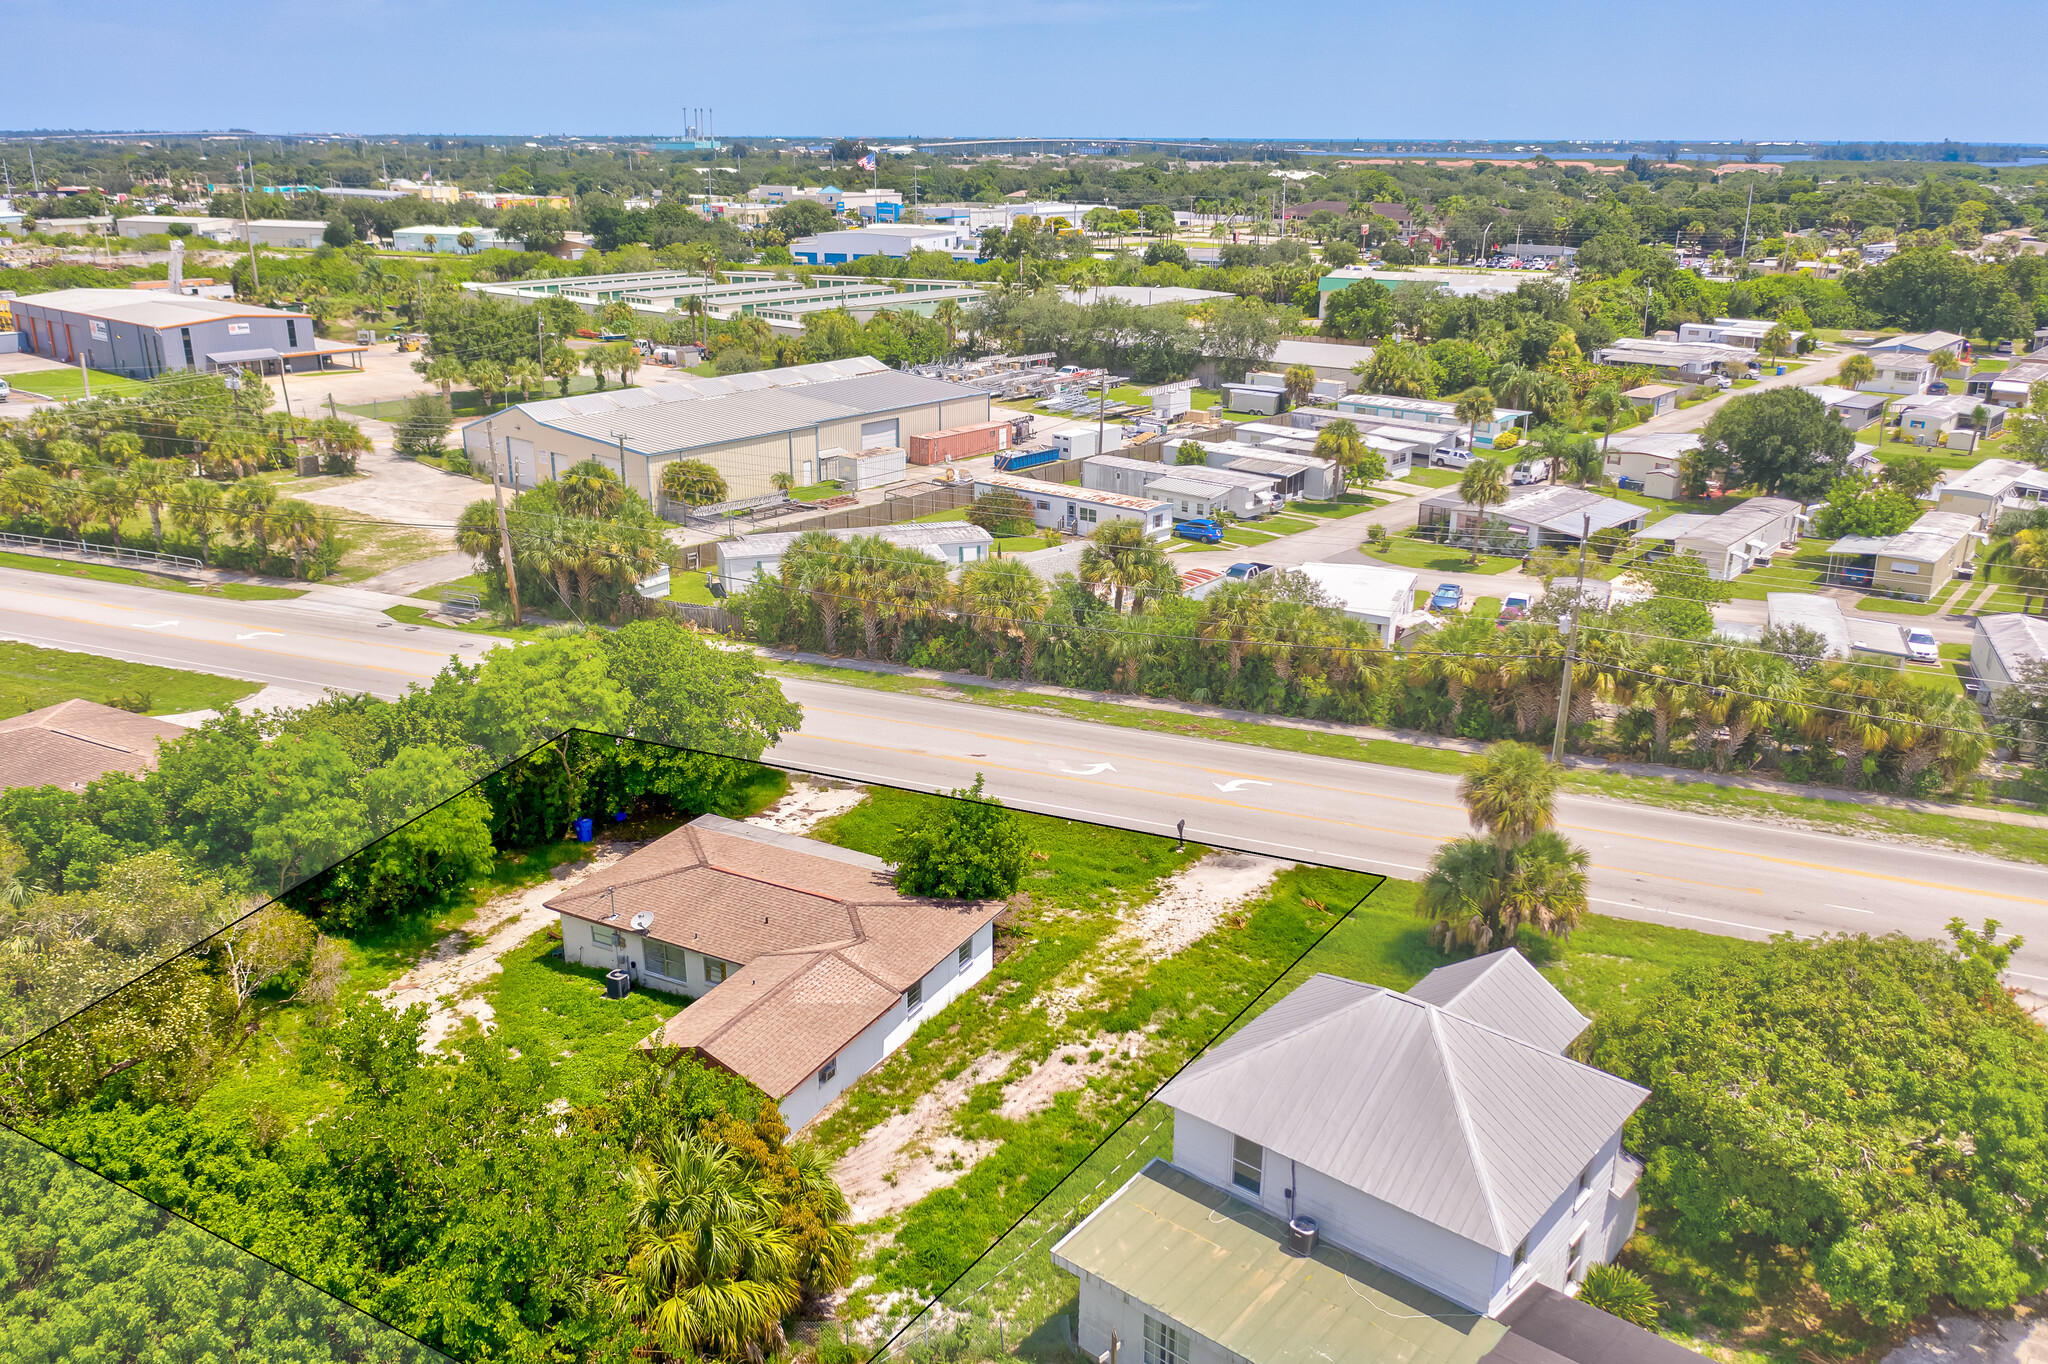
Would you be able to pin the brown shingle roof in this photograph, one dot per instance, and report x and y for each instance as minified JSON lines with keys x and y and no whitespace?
{"x":825,"y":947}
{"x":74,"y":742}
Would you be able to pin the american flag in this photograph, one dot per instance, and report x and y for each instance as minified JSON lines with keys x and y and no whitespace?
{"x":867,"y":162}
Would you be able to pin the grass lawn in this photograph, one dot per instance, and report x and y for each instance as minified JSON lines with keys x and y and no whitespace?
{"x":65,"y":384}
{"x":816,"y":492}
{"x":133,"y":577}
{"x":375,"y":546}
{"x":548,"y":1007}
{"x":1284,"y":525}
{"x":690,"y":587}
{"x":1431,"y":478}
{"x":1409,"y":551}
{"x":1335,"y":510}
{"x":1022,"y":544}
{"x":1238,"y":535}
{"x":1897,"y":606}
{"x":956,"y":514}
{"x":31,"y":678}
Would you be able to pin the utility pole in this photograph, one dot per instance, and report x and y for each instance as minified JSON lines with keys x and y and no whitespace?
{"x":255,"y":278}
{"x":1745,"y":216}
{"x":1571,"y":646}
{"x":84,"y":380}
{"x":504,"y":531}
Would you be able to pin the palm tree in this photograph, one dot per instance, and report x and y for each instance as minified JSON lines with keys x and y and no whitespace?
{"x":917,"y":588}
{"x":709,"y":1267}
{"x":1943,"y":730}
{"x":562,"y":365}
{"x":198,"y":510}
{"x":1300,"y":381}
{"x":1119,"y":555}
{"x":246,"y":512}
{"x":1662,"y":677}
{"x":1607,"y":403}
{"x":1461,"y":895}
{"x":198,"y":433}
{"x":1943,"y":361}
{"x":300,"y":528}
{"x":2024,"y":556}
{"x":67,"y":504}
{"x":1545,"y":887}
{"x":1857,"y":370}
{"x":488,"y":378}
{"x":113,"y":500}
{"x":526,"y":375}
{"x":1003,"y":598}
{"x":1484,"y":484}
{"x":1512,"y":794}
{"x":149,"y":483}
{"x":1474,"y":406}
{"x":947,"y":315}
{"x":1234,"y":613}
{"x":693,"y":306}
{"x":1745,"y":690}
{"x":815,"y":565}
{"x":442,"y":371}
{"x":1855,"y":708}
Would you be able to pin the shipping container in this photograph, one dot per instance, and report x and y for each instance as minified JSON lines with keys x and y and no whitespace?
{"x":1017,"y":460}
{"x":1080,"y":442}
{"x":959,"y":442}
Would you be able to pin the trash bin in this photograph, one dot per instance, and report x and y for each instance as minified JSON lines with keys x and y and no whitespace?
{"x":585,"y":831}
{"x":617,"y":985}
{"x":618,"y":816}
{"x":1781,"y":369}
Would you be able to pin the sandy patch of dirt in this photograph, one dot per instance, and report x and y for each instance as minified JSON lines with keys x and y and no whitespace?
{"x":1979,"y":1340}
{"x":807,"y":805}
{"x":1194,"y":900}
{"x":1069,"y":1067}
{"x":908,"y":1155}
{"x":462,"y":961}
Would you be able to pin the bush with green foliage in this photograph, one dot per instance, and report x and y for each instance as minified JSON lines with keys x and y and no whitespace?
{"x":966,"y":848}
{"x":1873,"y":1106}
{"x":1621,"y":1293}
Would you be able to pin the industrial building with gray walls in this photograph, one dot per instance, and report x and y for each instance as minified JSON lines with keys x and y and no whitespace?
{"x":141,"y":334}
{"x":749,"y":427}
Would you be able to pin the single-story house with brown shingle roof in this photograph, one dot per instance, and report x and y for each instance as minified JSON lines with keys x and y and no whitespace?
{"x":74,"y":743}
{"x":807,"y":967}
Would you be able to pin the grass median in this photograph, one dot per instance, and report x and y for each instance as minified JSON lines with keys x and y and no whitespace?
{"x":32,"y":678}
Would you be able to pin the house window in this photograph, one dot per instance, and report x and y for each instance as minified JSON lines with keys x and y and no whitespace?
{"x":1087,"y":513}
{"x":967,"y":951}
{"x":1900,"y":567}
{"x":604,"y":935}
{"x":186,"y":334}
{"x":1247,"y":1164}
{"x":665,"y":960}
{"x":291,"y":333}
{"x":830,"y":1069}
{"x":714,"y":970}
{"x":1044,"y":505}
{"x":1522,"y":1253}
{"x":1164,"y":1344}
{"x":913,"y":998}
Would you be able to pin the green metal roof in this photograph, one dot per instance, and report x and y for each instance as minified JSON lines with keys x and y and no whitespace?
{"x":1218,"y":1267}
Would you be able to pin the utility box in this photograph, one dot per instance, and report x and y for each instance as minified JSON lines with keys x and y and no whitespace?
{"x":859,"y":471}
{"x":1081,"y":442}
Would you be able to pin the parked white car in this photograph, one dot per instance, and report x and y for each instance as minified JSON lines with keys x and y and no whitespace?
{"x":1920,"y":644}
{"x":6,"y":391}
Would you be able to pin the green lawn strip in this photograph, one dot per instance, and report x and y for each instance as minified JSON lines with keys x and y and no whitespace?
{"x":1431,"y":477}
{"x":1486,"y":608}
{"x":816,"y":492}
{"x":1334,"y":510}
{"x":955,"y":514}
{"x":64,"y":385}
{"x":32,"y":678}
{"x":133,"y":577}
{"x":1898,"y":606}
{"x":2018,"y":842}
{"x":1238,"y":535}
{"x":1284,"y":525}
{"x":1022,"y":544}
{"x":474,"y":583}
{"x":1408,"y":551}
{"x":694,"y":588}
{"x":545,"y":1006}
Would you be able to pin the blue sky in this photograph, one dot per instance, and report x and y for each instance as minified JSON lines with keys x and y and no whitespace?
{"x":1291,"y":68}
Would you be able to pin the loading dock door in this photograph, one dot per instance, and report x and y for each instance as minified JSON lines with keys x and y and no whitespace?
{"x":878,"y":435}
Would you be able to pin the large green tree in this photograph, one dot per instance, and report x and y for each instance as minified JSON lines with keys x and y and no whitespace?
{"x":1782,"y":441}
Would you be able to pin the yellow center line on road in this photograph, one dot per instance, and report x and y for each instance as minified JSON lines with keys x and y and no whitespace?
{"x":224,"y":624}
{"x":1349,"y":791}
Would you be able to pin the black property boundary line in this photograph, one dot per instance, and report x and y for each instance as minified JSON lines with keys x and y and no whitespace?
{"x":936,"y":1298}
{"x":1378,"y":879}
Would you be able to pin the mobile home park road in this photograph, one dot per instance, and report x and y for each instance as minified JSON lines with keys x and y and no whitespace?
{"x":1663,"y":866}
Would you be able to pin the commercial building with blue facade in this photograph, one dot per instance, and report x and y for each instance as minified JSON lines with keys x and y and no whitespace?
{"x":856,"y":243}
{"x":145,"y":334}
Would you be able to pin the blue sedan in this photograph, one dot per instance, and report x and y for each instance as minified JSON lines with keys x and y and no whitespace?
{"x":1448,"y":597}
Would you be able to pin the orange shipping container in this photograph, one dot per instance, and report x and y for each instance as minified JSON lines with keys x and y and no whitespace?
{"x":959,"y":442}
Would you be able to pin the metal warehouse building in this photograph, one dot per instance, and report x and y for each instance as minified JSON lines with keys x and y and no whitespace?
{"x":144,"y":334}
{"x":749,"y":427}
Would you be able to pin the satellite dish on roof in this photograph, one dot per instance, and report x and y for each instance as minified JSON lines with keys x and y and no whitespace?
{"x":642,"y":921}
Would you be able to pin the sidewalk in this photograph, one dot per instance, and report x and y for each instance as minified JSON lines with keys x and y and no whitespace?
{"x":1653,"y":771}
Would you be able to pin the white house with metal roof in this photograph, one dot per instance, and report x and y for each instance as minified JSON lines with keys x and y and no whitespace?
{"x":749,"y":427}
{"x":1381,"y":597}
{"x":1080,"y":511}
{"x":744,"y":559}
{"x":1436,"y":1147}
{"x":1433,"y":412}
{"x":1981,"y":491}
{"x":1537,"y":516}
{"x":2002,"y":646}
{"x":1733,"y":541}
{"x":1194,"y":489}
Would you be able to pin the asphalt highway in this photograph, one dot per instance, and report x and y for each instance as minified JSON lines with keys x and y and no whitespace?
{"x":1664,"y":866}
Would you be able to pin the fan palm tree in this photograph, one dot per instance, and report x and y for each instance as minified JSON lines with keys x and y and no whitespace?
{"x":1461,"y":895}
{"x":816,"y":565}
{"x":917,"y":588}
{"x":1545,"y":887}
{"x":151,"y":483}
{"x":709,"y":1268}
{"x":299,"y":529}
{"x":1484,"y":484}
{"x":1003,"y":598}
{"x":1511,"y":793}
{"x":1299,"y":381}
{"x":1661,"y":677}
{"x":1607,"y":403}
{"x":526,"y":375}
{"x":245,"y":509}
{"x":67,"y":504}
{"x":1854,"y":707}
{"x":1234,"y":613}
{"x":1943,"y":730}
{"x":113,"y":501}
{"x":2024,"y":556}
{"x":1120,"y":556}
{"x":1857,"y":370}
{"x":693,"y":307}
{"x":199,"y":510}
{"x":1943,"y":361}
{"x":1744,"y":690}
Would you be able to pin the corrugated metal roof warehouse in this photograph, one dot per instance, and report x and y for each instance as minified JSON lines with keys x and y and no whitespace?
{"x":779,"y":422}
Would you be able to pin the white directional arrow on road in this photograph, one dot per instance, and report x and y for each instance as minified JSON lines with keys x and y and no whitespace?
{"x":1240,"y":784}
{"x":1096,"y":769}
{"x":160,"y":625}
{"x":258,"y":634}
